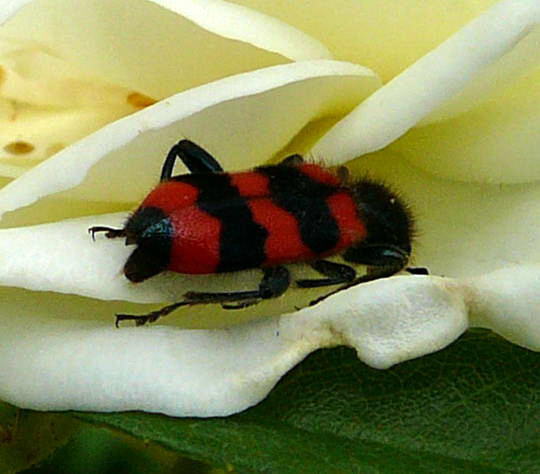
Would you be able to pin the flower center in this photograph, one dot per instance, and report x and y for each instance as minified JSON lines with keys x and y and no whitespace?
{"x":46,"y":104}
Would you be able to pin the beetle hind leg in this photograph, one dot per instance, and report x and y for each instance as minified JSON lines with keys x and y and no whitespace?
{"x":382,"y":261}
{"x":336,"y":273}
{"x":417,"y":270}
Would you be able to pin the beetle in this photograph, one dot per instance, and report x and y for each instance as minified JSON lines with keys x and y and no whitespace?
{"x":210,"y":221}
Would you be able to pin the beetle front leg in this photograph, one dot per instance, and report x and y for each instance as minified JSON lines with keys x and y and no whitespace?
{"x":292,"y":160}
{"x":196,"y":159}
{"x":110,"y":232}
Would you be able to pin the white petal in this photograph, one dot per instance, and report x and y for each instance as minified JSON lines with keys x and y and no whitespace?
{"x":244,"y":24}
{"x":68,"y":365}
{"x":463,"y":229}
{"x":244,"y":119}
{"x":10,"y":7}
{"x":40,"y":133}
{"x":152,"y":49}
{"x":74,"y":264}
{"x":508,"y":301}
{"x":435,"y":78}
{"x":384,"y":36}
{"x":65,"y":259}
{"x":495,"y":142}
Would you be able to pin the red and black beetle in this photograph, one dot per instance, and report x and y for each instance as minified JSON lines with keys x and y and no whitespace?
{"x":210,"y":221}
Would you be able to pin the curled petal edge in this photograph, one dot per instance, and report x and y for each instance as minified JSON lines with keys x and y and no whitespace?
{"x":431,"y":81}
{"x":85,"y":366}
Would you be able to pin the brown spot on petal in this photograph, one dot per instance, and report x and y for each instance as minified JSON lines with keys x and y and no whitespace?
{"x":19,"y":148}
{"x":140,"y":100}
{"x":2,"y":75}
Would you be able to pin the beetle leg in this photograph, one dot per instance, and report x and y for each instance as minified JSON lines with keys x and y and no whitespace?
{"x":374,"y":273}
{"x":377,"y":255}
{"x":193,"y":156}
{"x":241,"y":305}
{"x":382,"y":260}
{"x":343,"y":174}
{"x":292,"y":160}
{"x":417,"y":270}
{"x":110,"y":232}
{"x":141,"y":320}
{"x":336,"y":272}
{"x":275,"y":282}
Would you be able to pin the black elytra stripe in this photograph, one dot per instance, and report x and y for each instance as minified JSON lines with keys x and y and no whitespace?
{"x":305,"y":199}
{"x":242,"y":240}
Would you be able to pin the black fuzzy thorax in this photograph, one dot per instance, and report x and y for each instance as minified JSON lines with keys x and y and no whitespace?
{"x":386,"y":216}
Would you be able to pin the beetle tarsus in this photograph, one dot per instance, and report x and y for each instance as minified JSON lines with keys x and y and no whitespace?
{"x":152,"y":317}
{"x":110,"y":232}
{"x":241,"y":305}
{"x":417,"y":270}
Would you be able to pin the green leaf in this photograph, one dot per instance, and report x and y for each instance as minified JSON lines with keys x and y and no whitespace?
{"x":28,"y":437}
{"x":473,"y":407}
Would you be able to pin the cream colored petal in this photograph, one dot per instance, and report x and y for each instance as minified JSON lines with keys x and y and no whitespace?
{"x":62,"y":365}
{"x":155,"y":49}
{"x":244,"y":24}
{"x":243,"y":120}
{"x":508,"y":302}
{"x":37,"y":133}
{"x":79,"y":266}
{"x":386,"y":36}
{"x":463,"y":229}
{"x":217,"y":372}
{"x":435,"y":78}
{"x":10,"y":7}
{"x":29,"y":74}
{"x":65,"y":259}
{"x":496,"y":142}
{"x":47,"y":103}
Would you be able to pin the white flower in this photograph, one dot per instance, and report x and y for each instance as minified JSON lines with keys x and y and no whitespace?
{"x":225,"y":78}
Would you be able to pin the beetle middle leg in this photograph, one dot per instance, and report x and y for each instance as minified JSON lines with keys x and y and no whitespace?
{"x":275,"y":282}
